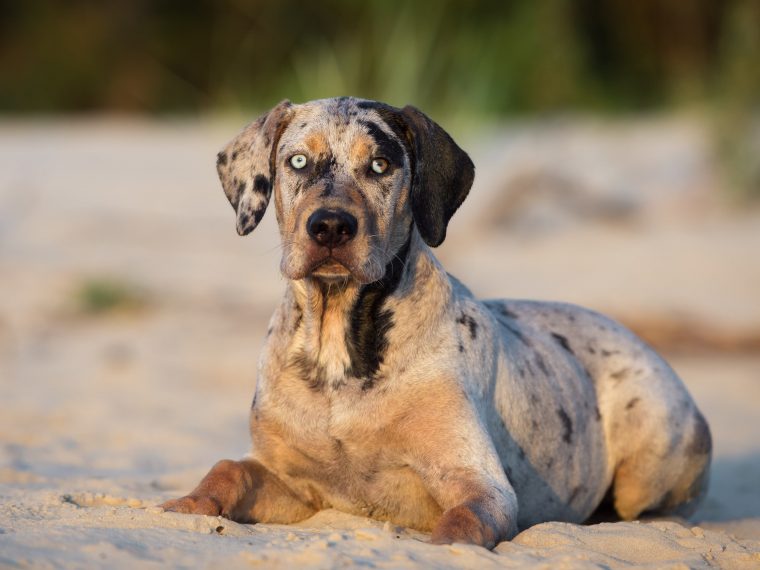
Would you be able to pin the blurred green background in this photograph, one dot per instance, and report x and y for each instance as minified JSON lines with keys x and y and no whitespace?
{"x":490,"y":57}
{"x":463,"y":60}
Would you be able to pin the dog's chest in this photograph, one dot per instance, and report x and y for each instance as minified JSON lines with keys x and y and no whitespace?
{"x":344,"y":456}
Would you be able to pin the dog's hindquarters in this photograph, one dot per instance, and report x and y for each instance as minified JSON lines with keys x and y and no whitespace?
{"x":657,"y":443}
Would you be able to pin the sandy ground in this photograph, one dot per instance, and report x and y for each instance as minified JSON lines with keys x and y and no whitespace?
{"x":105,"y":414}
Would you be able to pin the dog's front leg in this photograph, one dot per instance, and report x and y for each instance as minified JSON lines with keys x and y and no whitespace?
{"x":462,"y":472}
{"x":244,"y":491}
{"x":482,"y":513}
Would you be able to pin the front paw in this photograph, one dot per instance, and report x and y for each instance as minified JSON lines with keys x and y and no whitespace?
{"x":461,"y":524}
{"x":193,"y":506}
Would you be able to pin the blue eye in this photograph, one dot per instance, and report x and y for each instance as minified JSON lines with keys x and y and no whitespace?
{"x":298,"y":161}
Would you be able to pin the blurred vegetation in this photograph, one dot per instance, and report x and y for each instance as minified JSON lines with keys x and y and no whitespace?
{"x":453,"y":58}
{"x":499,"y":57}
{"x":101,"y":296}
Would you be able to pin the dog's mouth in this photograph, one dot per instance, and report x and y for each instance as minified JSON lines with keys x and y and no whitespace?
{"x":330,"y":268}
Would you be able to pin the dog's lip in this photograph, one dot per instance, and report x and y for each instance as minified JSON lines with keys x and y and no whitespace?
{"x":330,"y":267}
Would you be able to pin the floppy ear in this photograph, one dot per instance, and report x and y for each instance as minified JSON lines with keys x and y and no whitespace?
{"x":246,"y":166}
{"x":442,"y":175}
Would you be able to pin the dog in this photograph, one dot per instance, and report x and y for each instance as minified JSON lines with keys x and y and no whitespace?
{"x":385,"y":389}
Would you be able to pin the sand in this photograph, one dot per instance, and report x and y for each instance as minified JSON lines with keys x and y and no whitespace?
{"x":107,"y":413}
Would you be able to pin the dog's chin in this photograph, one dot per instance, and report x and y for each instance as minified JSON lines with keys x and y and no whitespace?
{"x":331,"y":270}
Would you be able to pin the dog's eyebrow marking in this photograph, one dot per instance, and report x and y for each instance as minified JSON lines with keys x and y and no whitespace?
{"x":389,"y":148}
{"x":370,"y":323}
{"x":317,"y":144}
{"x":567,"y":425}
{"x":563,"y":342}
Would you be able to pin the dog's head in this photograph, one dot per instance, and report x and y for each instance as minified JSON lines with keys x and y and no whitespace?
{"x":349,"y":178}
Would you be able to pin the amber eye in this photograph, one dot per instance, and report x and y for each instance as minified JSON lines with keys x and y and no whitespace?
{"x":298,"y":161}
{"x":379,"y":165}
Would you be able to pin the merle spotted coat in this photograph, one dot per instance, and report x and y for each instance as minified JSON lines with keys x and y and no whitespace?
{"x":386,"y":389}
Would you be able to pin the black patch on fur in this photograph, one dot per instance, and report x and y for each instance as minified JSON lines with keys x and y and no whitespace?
{"x":575,"y":493}
{"x":328,"y":189}
{"x":259,"y":213}
{"x":500,"y":309}
{"x":238,"y":194}
{"x":620,"y":374}
{"x":507,"y":313}
{"x":261,"y":184}
{"x":567,"y":425}
{"x":472,"y":324}
{"x":598,"y":413}
{"x":542,"y":364}
{"x":309,"y":371}
{"x":297,"y":320}
{"x":322,"y":168}
{"x":563,"y":342}
{"x":387,"y":147}
{"x":461,"y":347}
{"x":632,"y":403}
{"x":701,"y":440}
{"x":518,"y":335}
{"x":221,"y":159}
{"x":244,"y":217}
{"x":370,"y":322}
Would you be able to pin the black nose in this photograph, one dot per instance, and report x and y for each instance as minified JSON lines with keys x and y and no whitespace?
{"x":331,"y":228}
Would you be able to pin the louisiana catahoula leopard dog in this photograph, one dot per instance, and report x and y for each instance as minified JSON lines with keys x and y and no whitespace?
{"x":386,"y":389}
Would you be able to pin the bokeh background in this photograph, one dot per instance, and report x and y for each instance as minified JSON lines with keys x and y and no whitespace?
{"x":617,"y":147}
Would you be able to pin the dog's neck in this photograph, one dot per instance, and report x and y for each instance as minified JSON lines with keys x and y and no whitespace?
{"x":343,"y":331}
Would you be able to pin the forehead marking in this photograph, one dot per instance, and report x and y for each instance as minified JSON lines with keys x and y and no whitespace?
{"x":360,"y":149}
{"x":387,"y":146}
{"x":317,"y":144}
